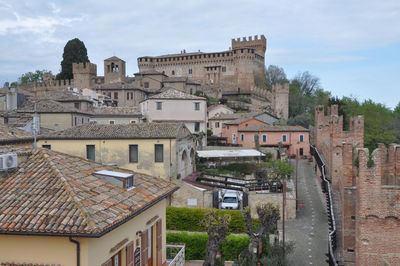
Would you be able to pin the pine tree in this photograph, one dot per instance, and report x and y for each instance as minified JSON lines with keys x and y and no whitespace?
{"x":74,"y":52}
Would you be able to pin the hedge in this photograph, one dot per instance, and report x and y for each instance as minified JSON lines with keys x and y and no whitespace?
{"x":188,"y":219}
{"x":196,"y":243}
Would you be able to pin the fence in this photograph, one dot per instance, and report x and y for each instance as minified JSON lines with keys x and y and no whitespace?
{"x":178,"y":254}
{"x":326,"y":187}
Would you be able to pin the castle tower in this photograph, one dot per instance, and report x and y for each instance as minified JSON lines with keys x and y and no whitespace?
{"x":256,"y":43}
{"x":114,"y":70}
{"x":83,"y":74}
{"x":281,"y":100}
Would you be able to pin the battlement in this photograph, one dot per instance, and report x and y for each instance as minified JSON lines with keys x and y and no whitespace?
{"x":259,"y":44}
{"x":84,"y":68}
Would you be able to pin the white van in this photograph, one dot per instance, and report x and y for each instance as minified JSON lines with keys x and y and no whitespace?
{"x":230,"y":199}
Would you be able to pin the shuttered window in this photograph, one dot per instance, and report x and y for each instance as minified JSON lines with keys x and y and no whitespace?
{"x":129,"y":254}
{"x":144,"y":245}
{"x":159,"y":242}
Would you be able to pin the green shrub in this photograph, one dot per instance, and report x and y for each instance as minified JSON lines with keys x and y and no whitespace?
{"x":196,"y":244}
{"x":188,"y":219}
{"x":234,"y":246}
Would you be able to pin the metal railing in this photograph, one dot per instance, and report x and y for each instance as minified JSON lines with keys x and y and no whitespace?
{"x":179,"y":256}
{"x":326,"y":187}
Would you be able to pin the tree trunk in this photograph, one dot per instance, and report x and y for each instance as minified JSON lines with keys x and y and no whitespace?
{"x":210,"y":257}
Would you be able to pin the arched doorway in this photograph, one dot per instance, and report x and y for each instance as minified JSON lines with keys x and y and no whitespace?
{"x":184,"y":164}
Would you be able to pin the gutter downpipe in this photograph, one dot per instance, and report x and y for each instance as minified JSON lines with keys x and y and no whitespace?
{"x":78,"y":251}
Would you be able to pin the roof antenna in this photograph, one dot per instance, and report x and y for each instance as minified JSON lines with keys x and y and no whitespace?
{"x":35,"y":120}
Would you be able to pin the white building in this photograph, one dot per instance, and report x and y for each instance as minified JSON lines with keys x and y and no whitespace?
{"x":176,"y":106}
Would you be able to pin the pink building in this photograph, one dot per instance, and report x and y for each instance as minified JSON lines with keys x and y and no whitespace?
{"x":245,"y":133}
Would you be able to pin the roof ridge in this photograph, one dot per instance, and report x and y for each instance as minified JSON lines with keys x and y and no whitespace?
{"x":68,"y":189}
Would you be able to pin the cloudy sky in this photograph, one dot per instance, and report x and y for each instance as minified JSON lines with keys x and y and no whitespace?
{"x":352,"y":46}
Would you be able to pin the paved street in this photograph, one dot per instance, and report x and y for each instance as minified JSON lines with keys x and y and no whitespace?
{"x":309,"y":230}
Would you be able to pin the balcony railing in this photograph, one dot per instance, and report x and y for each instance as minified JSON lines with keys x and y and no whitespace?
{"x":175,"y":255}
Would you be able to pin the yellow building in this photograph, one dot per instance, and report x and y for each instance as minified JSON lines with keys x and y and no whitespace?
{"x":58,"y":209}
{"x":54,"y":115}
{"x":159,"y":149}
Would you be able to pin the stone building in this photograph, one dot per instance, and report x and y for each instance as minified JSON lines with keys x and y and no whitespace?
{"x":366,"y":191}
{"x":237,"y":72}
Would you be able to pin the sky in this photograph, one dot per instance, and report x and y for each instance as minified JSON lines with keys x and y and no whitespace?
{"x":352,"y":46}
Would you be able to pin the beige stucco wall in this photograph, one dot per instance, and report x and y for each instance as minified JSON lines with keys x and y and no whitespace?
{"x":117,"y":120}
{"x":41,"y":250}
{"x":274,"y":198}
{"x":99,"y":249}
{"x":94,"y":251}
{"x":117,"y":151}
{"x":55,"y":121}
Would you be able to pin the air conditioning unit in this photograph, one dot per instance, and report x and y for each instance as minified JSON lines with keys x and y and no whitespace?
{"x":8,"y":161}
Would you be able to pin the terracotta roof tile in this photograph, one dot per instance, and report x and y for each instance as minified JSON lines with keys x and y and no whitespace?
{"x":126,"y":131}
{"x":10,"y":134}
{"x":173,"y":94}
{"x":56,"y":193}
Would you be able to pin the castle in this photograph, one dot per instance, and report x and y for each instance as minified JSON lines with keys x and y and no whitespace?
{"x":237,"y":75}
{"x":237,"y":72}
{"x":367,"y":189}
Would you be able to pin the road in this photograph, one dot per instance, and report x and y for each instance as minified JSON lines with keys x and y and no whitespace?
{"x":309,"y":231}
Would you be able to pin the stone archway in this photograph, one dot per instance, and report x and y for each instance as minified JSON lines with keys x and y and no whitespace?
{"x":185,"y":162}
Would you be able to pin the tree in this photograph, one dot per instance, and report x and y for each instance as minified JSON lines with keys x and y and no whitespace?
{"x":269,"y":216}
{"x":74,"y":52}
{"x":306,"y":82}
{"x":29,"y":77}
{"x":216,"y":226}
{"x":275,"y":75}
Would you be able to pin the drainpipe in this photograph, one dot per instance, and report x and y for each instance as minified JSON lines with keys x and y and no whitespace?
{"x":78,"y":251}
{"x":170,"y":159}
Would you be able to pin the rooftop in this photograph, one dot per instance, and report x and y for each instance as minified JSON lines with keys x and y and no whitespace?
{"x":98,"y":111}
{"x":266,"y":127}
{"x":12,"y":135}
{"x":47,"y":106}
{"x":127,"y":131}
{"x":229,"y":153}
{"x":173,"y":94}
{"x":57,"y":194}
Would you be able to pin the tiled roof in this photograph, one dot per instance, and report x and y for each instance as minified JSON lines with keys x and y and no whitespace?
{"x":12,"y":135}
{"x":237,"y":118}
{"x":127,"y":131}
{"x":134,"y":111}
{"x":149,"y":72}
{"x":113,"y":58}
{"x":55,"y":193}
{"x":175,"y":95}
{"x":212,"y":107}
{"x":61,"y":96}
{"x":47,"y":106}
{"x":118,"y":85}
{"x":260,"y":127}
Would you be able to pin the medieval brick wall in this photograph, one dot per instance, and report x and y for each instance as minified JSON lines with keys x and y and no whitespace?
{"x":378,"y":207}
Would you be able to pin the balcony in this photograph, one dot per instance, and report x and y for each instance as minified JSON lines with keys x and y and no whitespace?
{"x":175,"y":255}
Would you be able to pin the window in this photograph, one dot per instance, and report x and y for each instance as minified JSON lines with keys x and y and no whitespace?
{"x":301,"y":152}
{"x":159,"y":153}
{"x":116,"y":95}
{"x":76,"y":120}
{"x":116,"y":259}
{"x":301,"y":138}
{"x":133,"y":153}
{"x":129,"y":183}
{"x":196,"y":126}
{"x":191,"y":91}
{"x":77,"y":105}
{"x":190,"y":71}
{"x":129,"y":95}
{"x":46,"y":146}
{"x":255,"y":137}
{"x":217,"y":124}
{"x":283,"y":138}
{"x":146,"y":85}
{"x":242,"y":137}
{"x":159,"y":105}
{"x":197,"y":106}
{"x":264,"y":138}
{"x":223,"y":69}
{"x":173,"y":72}
{"x":112,"y":122}
{"x":82,"y":120}
{"x":91,"y":152}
